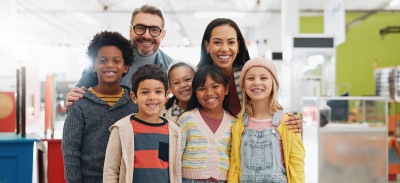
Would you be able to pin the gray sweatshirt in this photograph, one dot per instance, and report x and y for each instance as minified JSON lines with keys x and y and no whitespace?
{"x":86,"y":134}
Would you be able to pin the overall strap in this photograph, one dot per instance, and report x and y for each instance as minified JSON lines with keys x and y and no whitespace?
{"x":245,"y":120}
{"x":275,"y":119}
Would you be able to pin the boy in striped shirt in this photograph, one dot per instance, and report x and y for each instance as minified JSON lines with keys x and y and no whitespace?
{"x":145,"y":147}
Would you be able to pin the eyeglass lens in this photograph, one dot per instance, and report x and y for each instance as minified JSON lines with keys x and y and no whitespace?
{"x":154,"y":31}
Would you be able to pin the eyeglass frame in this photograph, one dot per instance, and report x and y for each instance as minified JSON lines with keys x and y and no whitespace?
{"x":147,"y":27}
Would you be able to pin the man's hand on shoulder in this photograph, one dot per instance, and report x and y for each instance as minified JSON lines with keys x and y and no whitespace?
{"x":74,"y":95}
{"x":296,"y":121}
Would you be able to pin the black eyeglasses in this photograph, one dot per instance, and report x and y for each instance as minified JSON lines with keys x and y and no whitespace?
{"x":141,"y":29}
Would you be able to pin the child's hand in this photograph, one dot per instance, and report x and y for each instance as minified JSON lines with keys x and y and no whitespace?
{"x":296,"y":121}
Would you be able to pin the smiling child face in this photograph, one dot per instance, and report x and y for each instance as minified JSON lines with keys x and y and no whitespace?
{"x":150,"y":98}
{"x":109,"y":65}
{"x":258,"y":84}
{"x":180,"y":79}
{"x":211,"y":95}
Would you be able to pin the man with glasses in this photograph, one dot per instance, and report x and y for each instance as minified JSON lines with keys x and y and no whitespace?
{"x":146,"y":32}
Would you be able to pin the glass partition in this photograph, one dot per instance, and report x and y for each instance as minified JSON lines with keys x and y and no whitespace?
{"x":352,"y":139}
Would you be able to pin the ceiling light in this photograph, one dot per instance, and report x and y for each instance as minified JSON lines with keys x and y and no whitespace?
{"x":394,"y":3}
{"x":186,"y":41}
{"x":219,"y":15}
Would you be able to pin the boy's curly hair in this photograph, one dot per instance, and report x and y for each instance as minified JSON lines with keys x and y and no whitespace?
{"x":108,"y":38}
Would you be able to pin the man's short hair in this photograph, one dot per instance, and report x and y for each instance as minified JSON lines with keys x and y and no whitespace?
{"x":149,"y":71}
{"x":148,"y":9}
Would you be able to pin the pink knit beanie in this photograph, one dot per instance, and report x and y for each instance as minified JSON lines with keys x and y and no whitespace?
{"x":259,"y":62}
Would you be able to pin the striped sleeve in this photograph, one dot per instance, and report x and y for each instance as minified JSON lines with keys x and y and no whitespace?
{"x":194,"y":144}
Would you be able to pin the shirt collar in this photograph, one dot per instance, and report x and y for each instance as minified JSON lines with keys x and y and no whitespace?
{"x":175,"y":106}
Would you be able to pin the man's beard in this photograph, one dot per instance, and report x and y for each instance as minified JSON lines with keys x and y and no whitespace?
{"x":139,"y":51}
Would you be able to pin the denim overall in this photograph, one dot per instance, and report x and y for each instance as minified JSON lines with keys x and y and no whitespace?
{"x":260,"y":154}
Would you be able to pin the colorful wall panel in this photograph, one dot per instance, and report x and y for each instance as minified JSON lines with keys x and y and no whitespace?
{"x":7,"y":112}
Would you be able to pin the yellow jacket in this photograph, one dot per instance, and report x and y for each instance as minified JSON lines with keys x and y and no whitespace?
{"x":293,"y":152}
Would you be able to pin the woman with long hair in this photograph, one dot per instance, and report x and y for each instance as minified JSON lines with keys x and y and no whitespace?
{"x":223,"y":45}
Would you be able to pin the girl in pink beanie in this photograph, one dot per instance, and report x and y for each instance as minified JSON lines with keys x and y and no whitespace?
{"x":263,"y":149}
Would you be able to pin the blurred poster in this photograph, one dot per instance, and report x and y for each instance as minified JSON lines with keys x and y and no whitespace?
{"x":50,"y":102}
{"x":7,"y":112}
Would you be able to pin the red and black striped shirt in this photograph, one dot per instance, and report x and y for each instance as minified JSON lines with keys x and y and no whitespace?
{"x":151,"y":151}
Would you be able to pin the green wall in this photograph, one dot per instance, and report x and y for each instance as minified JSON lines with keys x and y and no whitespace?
{"x":354,"y":58}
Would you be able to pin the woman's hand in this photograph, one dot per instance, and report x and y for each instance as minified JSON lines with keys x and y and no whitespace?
{"x":296,"y":121}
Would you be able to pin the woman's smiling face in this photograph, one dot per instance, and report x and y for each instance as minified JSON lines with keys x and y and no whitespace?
{"x":223,"y":46}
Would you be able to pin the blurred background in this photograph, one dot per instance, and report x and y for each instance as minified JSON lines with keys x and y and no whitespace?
{"x":50,"y":37}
